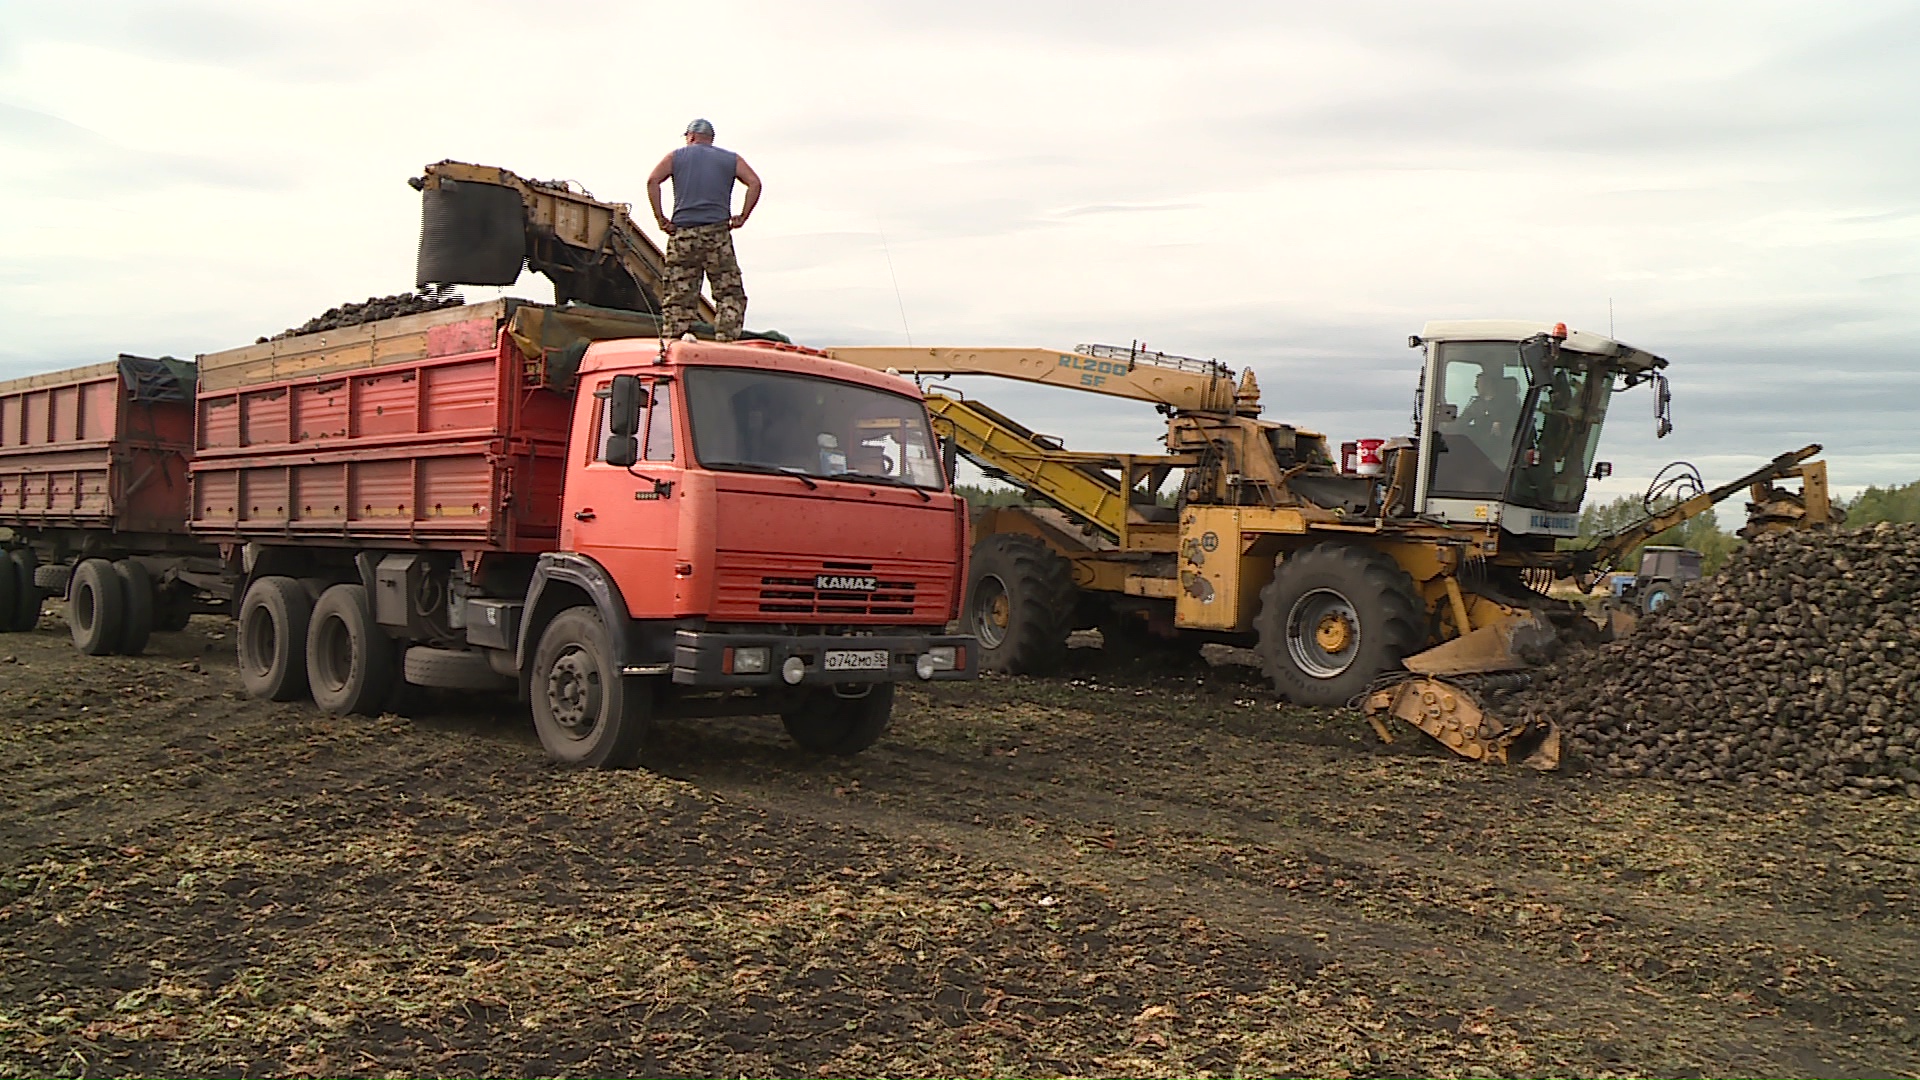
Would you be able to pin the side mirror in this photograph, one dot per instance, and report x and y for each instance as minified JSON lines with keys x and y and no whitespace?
{"x":1536,"y":356}
{"x":626,"y":399}
{"x":1662,"y":407}
{"x":1602,"y":470}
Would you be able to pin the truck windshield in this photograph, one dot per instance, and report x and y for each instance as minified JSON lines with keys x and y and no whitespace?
{"x":1486,"y":421}
{"x":748,"y":420}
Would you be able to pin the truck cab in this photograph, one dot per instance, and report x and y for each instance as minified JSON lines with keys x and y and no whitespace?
{"x":772,"y":529}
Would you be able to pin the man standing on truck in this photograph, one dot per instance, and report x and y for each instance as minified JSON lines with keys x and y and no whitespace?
{"x":700,"y":232}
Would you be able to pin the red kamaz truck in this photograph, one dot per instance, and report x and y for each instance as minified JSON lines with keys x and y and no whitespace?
{"x":505,"y":494}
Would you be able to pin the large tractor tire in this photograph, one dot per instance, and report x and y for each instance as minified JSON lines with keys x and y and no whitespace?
{"x":27,"y":596}
{"x":586,"y":712}
{"x":272,"y":638}
{"x":1019,"y":604}
{"x":137,"y":587}
{"x":1126,"y":642}
{"x":826,"y":723}
{"x":97,"y":607}
{"x":350,"y":660}
{"x":1335,"y":617}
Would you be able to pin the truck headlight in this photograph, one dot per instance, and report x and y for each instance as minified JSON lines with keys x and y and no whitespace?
{"x":938,"y":658}
{"x":750,"y":661}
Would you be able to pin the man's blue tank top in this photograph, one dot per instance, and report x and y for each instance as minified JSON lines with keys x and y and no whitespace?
{"x":703,"y":184}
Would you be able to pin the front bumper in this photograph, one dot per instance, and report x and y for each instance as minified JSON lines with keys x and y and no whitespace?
{"x":700,"y":658}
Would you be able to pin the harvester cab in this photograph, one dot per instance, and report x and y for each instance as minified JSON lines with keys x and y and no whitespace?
{"x":1509,"y":420}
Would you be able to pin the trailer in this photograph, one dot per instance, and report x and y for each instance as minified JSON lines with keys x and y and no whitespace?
{"x":523,"y":497}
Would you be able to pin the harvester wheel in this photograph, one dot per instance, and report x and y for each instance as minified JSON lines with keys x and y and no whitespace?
{"x":1019,"y":603}
{"x":26,"y":594}
{"x":137,"y":588}
{"x":272,"y":638}
{"x":350,"y":660}
{"x":1126,"y":641}
{"x":96,"y":607}
{"x":826,"y":723}
{"x":586,"y":712}
{"x":1335,"y":617}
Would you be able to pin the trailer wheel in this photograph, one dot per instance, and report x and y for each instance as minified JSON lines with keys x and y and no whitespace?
{"x":9,"y":587}
{"x":27,"y":596}
{"x":1335,"y":617}
{"x":172,"y":607}
{"x":272,"y":638}
{"x":826,"y":723}
{"x":452,"y":669}
{"x":97,"y":607}
{"x":586,"y":712}
{"x":137,"y":627}
{"x":1019,"y":604}
{"x":349,"y":658}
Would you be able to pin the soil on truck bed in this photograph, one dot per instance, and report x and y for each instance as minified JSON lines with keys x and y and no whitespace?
{"x":1147,"y":875}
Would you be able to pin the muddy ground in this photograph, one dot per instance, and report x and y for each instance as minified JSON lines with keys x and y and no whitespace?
{"x":1122,"y":874}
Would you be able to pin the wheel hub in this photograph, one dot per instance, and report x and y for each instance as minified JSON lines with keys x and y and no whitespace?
{"x":1323,"y":634}
{"x":993,"y":612}
{"x":573,"y":693}
{"x":1334,"y":632}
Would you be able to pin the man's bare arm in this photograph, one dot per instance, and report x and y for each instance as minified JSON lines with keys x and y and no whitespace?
{"x":654,"y":179}
{"x":744,"y":173}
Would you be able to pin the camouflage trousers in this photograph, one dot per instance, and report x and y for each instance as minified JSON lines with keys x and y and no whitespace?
{"x":703,"y":250}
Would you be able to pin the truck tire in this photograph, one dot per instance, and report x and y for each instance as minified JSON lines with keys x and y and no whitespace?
{"x":53,"y":579}
{"x":586,"y":712}
{"x":452,"y":669}
{"x":827,"y":723}
{"x":272,"y":638}
{"x":97,"y":607}
{"x":349,"y":658}
{"x":27,"y":596}
{"x":1335,"y":617}
{"x":9,"y":587}
{"x":1019,"y":604}
{"x":137,"y":626}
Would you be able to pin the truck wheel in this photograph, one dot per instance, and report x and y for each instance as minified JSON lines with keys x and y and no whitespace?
{"x":1020,"y":604}
{"x":1335,"y":617}
{"x":827,"y":723}
{"x":272,"y":638}
{"x":349,"y":658}
{"x":137,"y":586}
{"x":9,"y":586}
{"x":586,"y":712}
{"x":452,"y":669}
{"x":27,"y":596}
{"x":97,"y":607}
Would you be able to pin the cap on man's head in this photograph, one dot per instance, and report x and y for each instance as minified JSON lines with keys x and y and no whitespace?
{"x":699,"y":127}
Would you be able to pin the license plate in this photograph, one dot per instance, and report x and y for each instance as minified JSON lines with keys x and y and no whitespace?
{"x":857,"y":660}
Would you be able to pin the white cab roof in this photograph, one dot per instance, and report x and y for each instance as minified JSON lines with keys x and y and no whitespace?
{"x":1520,"y":330}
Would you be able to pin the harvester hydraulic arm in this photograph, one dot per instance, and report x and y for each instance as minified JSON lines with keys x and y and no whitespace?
{"x":1612,"y":548}
{"x":480,"y":224}
{"x":1177,"y":382}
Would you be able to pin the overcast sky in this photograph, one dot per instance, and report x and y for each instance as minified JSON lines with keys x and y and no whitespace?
{"x":1294,"y":186}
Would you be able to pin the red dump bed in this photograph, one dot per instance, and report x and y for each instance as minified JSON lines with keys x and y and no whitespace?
{"x":98,"y":447}
{"x":434,"y":430}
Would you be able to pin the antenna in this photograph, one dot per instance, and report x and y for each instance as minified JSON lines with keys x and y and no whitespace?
{"x":897,"y":299}
{"x":1610,"y":317}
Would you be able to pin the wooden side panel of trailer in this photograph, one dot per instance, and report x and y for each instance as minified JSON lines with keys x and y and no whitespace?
{"x":98,"y":447}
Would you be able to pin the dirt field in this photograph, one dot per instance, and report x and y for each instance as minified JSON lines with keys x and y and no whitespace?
{"x":1104,"y":874}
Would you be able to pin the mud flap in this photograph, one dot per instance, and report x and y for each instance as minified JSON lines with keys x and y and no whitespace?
{"x":1456,"y":720}
{"x":471,"y":234}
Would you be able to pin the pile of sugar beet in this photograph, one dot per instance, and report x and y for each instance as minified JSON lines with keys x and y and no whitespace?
{"x":373,"y":309}
{"x":1797,"y":667}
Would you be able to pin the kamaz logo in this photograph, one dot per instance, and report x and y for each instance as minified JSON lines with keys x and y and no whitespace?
{"x":844,"y":583}
{"x":1552,"y":522}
